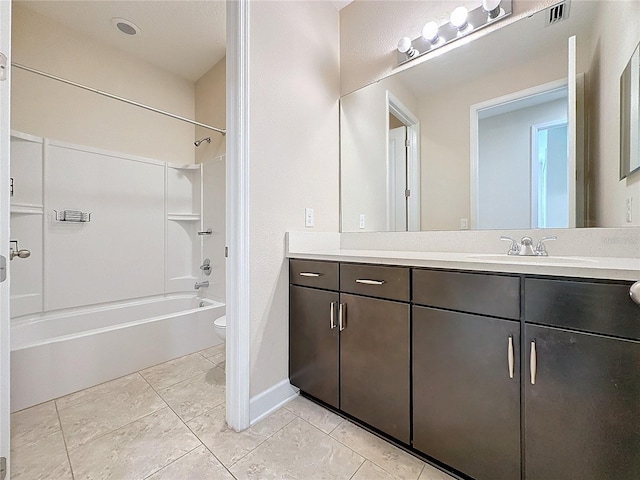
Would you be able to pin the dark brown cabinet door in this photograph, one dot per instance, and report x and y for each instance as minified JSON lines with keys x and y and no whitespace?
{"x":466,"y":398}
{"x":375,"y":364}
{"x":582,"y":415}
{"x":313,"y":344}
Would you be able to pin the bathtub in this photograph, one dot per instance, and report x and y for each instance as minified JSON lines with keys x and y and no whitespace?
{"x":57,"y":353}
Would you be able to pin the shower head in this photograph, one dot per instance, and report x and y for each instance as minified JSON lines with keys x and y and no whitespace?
{"x":198,"y":142}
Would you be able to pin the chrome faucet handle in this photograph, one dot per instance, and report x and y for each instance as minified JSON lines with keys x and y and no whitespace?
{"x":541,"y":250}
{"x":514,"y":248}
{"x":526,"y":248}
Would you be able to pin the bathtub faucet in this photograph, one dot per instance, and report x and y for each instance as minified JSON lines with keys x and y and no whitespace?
{"x":201,"y":284}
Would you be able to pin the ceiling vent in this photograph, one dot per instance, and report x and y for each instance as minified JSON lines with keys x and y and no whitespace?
{"x":557,"y":13}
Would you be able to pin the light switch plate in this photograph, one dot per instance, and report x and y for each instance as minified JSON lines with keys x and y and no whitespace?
{"x":629,"y":209}
{"x":362,"y":220}
{"x":308,"y":217}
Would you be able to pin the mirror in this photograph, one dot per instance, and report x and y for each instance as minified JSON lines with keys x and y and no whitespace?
{"x":433,"y":147}
{"x":629,"y":116}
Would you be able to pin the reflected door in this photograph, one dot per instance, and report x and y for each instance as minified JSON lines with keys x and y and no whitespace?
{"x":397,"y":181}
{"x":549,"y":183}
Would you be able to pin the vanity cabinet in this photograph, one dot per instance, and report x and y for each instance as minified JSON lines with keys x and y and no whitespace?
{"x":351,"y":349}
{"x":582,"y":381}
{"x":313,"y":334}
{"x":375,"y":362}
{"x":497,"y":376}
{"x":466,"y":372}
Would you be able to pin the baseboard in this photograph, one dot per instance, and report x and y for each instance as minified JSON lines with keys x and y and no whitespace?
{"x":270,"y":400}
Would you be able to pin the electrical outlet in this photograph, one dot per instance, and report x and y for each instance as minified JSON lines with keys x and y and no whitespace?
{"x":629,"y":209}
{"x":362,"y":220}
{"x":464,"y":224}
{"x":308,"y":217}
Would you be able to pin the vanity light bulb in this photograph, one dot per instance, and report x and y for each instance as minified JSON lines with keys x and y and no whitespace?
{"x":430,"y":32}
{"x":492,"y":7}
{"x":404,"y":46}
{"x":459,"y":18}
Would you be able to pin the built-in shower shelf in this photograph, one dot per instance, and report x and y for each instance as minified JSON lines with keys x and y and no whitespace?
{"x":27,"y":209}
{"x":184,"y":217}
{"x":191,"y":166}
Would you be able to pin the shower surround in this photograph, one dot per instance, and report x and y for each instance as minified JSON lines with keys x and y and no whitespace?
{"x":111,"y":294}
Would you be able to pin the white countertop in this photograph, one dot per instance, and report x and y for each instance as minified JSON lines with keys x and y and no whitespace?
{"x":613,"y":268}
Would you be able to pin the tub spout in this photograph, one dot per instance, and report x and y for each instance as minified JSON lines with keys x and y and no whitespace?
{"x":201,"y":284}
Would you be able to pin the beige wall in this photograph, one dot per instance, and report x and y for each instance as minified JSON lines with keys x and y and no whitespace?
{"x":211,"y":109}
{"x":44,"y":107}
{"x":370,"y":30}
{"x":293,"y":155}
{"x":607,"y":194}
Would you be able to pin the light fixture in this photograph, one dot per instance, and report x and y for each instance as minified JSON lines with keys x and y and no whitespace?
{"x":461,"y":23}
{"x":125,"y":26}
{"x":492,"y":7}
{"x":430,"y":32}
{"x":404,"y":46}
{"x":459,"y":17}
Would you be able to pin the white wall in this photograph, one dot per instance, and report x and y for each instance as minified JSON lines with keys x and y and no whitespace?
{"x":607,"y":195}
{"x":293,"y":155}
{"x":51,"y":109}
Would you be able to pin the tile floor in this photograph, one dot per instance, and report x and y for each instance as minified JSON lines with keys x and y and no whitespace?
{"x":167,"y":422}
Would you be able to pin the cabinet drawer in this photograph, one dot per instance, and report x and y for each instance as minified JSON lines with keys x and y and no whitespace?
{"x":495,"y":295}
{"x":311,"y":273}
{"x":589,"y":306}
{"x":382,"y":282}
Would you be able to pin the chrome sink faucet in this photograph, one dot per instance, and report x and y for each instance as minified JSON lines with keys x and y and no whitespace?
{"x":525,"y":247}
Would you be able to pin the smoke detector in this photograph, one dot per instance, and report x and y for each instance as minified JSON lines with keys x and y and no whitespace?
{"x":125,"y":26}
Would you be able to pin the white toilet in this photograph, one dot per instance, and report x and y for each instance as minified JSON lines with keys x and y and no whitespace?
{"x":220,"y":326}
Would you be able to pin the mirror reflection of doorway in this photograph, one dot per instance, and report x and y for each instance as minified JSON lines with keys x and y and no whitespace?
{"x":549,"y":193}
{"x":403,"y":167}
{"x":522,"y":162}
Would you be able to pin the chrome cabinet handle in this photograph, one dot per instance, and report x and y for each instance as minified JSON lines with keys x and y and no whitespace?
{"x":370,"y":282}
{"x":634,"y":292}
{"x":332,"y":323}
{"x":534,"y":363}
{"x":341,"y":317}
{"x":310,"y":274}
{"x":510,"y":357}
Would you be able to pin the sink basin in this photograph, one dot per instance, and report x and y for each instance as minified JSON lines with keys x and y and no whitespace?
{"x":504,"y":258}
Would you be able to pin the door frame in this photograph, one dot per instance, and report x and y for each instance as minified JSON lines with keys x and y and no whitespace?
{"x":237,"y":216}
{"x":474,"y":111}
{"x":402,"y":113}
{"x":5,"y":129}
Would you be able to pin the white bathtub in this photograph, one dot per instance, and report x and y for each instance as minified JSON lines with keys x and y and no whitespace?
{"x":57,"y":353}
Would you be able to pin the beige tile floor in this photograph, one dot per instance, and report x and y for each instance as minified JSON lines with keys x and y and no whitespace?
{"x":168,"y":423}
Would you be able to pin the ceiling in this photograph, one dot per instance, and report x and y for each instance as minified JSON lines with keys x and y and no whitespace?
{"x":186,"y":37}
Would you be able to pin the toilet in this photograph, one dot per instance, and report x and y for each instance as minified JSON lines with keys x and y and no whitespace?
{"x":220,"y":326}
